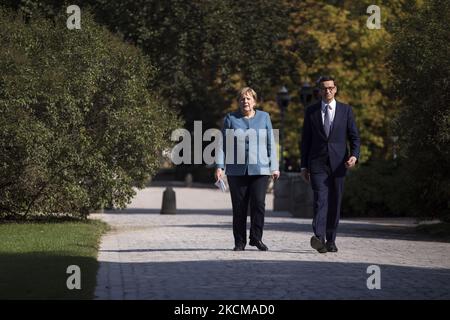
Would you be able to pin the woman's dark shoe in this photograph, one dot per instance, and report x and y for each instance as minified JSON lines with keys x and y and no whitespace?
{"x":259,"y":244}
{"x":239,"y":247}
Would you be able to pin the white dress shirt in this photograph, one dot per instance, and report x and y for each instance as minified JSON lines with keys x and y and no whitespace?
{"x":332,"y":107}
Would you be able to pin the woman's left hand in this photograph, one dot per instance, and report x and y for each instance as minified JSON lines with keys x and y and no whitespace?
{"x":275,"y":175}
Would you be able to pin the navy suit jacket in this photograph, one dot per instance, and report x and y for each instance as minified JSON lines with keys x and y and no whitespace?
{"x":317,"y":149}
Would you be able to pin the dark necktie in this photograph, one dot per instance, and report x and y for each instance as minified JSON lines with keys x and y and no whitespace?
{"x":326,"y":121}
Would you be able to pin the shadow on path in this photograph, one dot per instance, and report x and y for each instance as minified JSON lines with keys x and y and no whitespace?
{"x":248,"y":248}
{"x":270,"y":279}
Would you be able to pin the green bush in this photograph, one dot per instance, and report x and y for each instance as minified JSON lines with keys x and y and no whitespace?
{"x":379,"y":188}
{"x":419,"y":63}
{"x":78,"y":125}
{"x":420,"y":66}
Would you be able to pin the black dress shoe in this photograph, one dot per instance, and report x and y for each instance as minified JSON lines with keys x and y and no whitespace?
{"x":331,"y":247}
{"x":259,"y":244}
{"x":318,"y":244}
{"x":239,"y":247}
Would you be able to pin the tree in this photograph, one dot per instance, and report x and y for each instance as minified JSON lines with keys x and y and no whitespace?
{"x":204,"y":50}
{"x":331,"y":37}
{"x":420,"y":65}
{"x":79,"y":127}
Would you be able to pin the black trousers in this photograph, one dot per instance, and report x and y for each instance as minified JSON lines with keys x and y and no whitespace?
{"x":248,"y":190}
{"x":328,"y":190}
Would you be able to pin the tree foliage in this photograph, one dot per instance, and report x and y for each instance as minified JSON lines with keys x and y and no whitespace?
{"x":420,"y":64}
{"x":204,"y":50}
{"x":78,"y":125}
{"x":331,"y":37}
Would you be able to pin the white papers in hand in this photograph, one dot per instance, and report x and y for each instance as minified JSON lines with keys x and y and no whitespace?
{"x":221,"y":185}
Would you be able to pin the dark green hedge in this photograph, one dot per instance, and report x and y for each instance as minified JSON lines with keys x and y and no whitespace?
{"x":390,"y":188}
{"x":379,"y":188}
{"x":420,"y":66}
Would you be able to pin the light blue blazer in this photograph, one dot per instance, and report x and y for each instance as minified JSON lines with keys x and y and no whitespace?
{"x":248,"y":145}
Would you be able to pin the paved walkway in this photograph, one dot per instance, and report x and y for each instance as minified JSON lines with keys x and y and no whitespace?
{"x":189,"y":256}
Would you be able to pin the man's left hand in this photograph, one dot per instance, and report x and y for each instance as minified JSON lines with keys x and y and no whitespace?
{"x":350,"y":162}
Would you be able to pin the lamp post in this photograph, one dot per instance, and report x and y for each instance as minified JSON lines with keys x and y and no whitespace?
{"x":394,"y":146}
{"x":306,"y":94}
{"x":283,"y":99}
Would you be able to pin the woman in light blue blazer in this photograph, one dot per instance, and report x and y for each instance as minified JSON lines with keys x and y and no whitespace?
{"x":249,"y":157}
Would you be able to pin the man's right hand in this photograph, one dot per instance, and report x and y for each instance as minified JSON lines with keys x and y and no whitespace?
{"x":218,"y":174}
{"x":305,"y":175}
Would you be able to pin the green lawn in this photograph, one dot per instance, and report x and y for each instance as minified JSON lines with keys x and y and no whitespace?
{"x":34,"y":257}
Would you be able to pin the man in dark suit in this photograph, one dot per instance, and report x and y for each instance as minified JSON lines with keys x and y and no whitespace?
{"x":327,"y":127}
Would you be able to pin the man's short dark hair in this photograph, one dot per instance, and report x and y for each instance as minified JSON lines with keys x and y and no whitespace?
{"x":326,"y":78}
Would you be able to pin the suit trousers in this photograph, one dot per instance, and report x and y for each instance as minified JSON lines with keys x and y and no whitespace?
{"x":248,"y":190}
{"x":327,"y":190}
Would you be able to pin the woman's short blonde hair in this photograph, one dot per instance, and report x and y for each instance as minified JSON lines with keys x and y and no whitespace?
{"x":246,"y":90}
